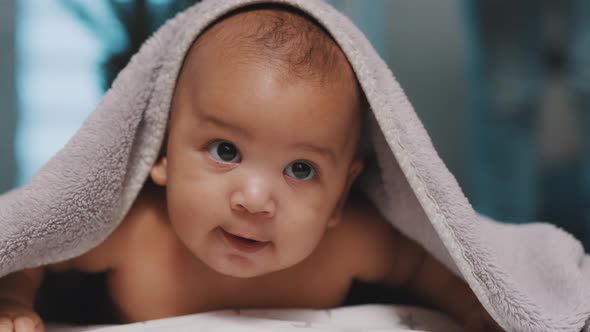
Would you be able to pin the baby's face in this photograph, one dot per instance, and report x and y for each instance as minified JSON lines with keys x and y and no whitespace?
{"x":254,"y":156}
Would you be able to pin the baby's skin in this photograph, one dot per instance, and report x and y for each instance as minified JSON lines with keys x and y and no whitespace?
{"x":247,"y":207}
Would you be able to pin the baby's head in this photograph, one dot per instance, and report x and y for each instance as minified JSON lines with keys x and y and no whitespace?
{"x":262,"y":143}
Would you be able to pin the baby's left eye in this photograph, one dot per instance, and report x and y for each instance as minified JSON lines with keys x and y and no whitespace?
{"x":300,"y":170}
{"x":224,"y":151}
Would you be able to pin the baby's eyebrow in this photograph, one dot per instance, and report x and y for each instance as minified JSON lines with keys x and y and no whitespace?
{"x":229,"y":126}
{"x":323,"y":151}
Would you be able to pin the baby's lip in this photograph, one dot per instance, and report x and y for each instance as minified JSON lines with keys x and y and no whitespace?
{"x":248,"y":237}
{"x":242,"y":243}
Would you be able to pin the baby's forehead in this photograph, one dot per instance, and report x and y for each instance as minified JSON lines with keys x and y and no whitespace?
{"x":288,"y":43}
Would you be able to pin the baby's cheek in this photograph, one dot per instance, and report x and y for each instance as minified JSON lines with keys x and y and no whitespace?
{"x":303,"y":229}
{"x":184,"y":203}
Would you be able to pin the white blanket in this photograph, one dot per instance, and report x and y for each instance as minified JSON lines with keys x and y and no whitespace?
{"x":345,"y":319}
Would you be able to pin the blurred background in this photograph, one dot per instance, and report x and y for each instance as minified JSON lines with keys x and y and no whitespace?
{"x":503,"y":87}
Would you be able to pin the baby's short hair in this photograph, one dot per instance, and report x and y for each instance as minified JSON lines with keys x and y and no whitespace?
{"x":283,"y":37}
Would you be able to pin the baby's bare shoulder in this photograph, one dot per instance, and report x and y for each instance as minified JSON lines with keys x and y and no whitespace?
{"x":367,"y":239}
{"x":117,"y":247}
{"x":380,"y":252}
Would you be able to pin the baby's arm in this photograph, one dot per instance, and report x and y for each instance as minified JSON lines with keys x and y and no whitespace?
{"x":390,"y":258}
{"x":435,"y":284}
{"x":17,"y":293}
{"x":18,"y":290}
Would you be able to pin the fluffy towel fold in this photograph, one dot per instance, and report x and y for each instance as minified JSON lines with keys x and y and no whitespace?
{"x":531,"y":277}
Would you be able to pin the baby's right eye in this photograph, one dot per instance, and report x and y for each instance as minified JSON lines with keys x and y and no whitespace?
{"x":224,"y":151}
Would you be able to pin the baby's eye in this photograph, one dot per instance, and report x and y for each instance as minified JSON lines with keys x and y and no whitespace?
{"x":300,"y":170}
{"x":224,"y":151}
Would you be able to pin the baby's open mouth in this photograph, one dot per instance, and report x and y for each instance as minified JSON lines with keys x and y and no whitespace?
{"x":243,"y":244}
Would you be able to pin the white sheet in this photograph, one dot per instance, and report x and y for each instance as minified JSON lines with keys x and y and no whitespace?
{"x":352,"y":318}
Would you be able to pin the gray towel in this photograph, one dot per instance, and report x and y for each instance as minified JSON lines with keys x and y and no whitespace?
{"x":529,"y":277}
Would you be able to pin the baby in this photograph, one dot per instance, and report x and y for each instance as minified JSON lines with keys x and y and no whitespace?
{"x":247,"y":206}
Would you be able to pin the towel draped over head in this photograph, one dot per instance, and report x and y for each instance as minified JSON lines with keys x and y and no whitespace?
{"x":532,"y":277}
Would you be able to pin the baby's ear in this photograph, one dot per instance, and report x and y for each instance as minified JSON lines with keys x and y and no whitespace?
{"x":355,"y":169}
{"x":158,"y":173}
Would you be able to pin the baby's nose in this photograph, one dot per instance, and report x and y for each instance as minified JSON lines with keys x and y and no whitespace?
{"x":255,"y":198}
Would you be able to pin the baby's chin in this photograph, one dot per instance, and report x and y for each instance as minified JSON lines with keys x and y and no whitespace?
{"x":235,"y":266}
{"x":243,"y":267}
{"x":243,"y":274}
